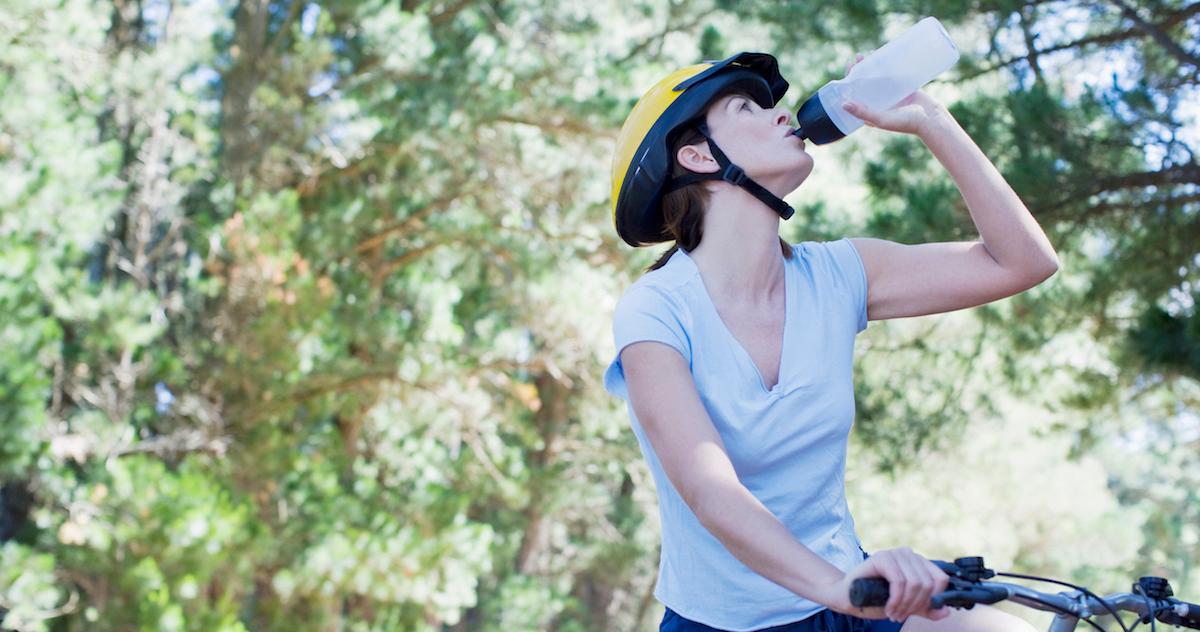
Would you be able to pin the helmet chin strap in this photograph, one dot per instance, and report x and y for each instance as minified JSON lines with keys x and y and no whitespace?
{"x":734,"y":175}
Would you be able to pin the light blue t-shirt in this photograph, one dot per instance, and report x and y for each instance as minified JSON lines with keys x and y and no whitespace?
{"x":787,"y":444}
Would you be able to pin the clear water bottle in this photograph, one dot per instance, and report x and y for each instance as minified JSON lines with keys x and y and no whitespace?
{"x":881,"y":80}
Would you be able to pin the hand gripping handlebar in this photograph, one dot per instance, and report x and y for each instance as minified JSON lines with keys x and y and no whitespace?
{"x":1150,"y":597}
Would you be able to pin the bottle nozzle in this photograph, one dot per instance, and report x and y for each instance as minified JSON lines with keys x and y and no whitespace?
{"x":814,"y":124}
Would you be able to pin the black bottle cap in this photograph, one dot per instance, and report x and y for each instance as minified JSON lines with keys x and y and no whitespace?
{"x":815,"y":124}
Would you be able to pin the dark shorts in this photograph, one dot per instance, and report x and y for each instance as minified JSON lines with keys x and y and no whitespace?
{"x":823,"y":621}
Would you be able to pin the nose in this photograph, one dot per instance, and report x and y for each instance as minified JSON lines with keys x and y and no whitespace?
{"x":782,"y":116}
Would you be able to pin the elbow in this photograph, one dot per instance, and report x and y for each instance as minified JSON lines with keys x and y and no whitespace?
{"x":711,"y":506}
{"x":1031,"y":273}
{"x":1049,"y":267}
{"x":1042,"y":270}
{"x":702,"y":503}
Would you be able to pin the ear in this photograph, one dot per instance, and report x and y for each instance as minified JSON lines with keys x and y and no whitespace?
{"x":697,"y":158}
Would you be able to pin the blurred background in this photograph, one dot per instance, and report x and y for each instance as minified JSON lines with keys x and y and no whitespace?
{"x":304,"y":306}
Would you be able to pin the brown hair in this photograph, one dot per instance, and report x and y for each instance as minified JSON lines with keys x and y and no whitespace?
{"x":683,"y":209}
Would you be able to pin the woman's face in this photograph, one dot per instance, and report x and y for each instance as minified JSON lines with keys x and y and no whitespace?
{"x":760,"y":141}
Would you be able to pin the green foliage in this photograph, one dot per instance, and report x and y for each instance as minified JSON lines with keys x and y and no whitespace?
{"x":304,"y":307}
{"x":29,"y":587}
{"x":1168,"y":343}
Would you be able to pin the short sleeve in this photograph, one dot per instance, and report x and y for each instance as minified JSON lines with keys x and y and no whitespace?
{"x":645,"y":314}
{"x":848,"y":270}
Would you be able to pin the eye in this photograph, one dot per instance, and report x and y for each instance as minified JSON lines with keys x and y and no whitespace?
{"x":745,"y":106}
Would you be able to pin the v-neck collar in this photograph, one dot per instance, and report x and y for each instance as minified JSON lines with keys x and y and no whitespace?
{"x":781,"y":374}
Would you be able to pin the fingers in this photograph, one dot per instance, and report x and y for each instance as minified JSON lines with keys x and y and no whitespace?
{"x":889,"y":567}
{"x":941,"y":582}
{"x":912,"y":580}
{"x":867,"y":116}
{"x":916,"y":586}
{"x":857,"y":58}
{"x":936,"y":615}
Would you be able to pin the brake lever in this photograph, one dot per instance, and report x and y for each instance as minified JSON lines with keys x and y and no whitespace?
{"x":970,"y":569}
{"x":963,"y":590}
{"x":967,"y":597}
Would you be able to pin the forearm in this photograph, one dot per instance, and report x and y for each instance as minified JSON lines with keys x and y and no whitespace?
{"x":1009,"y":232}
{"x":693,"y":456}
{"x":760,"y":541}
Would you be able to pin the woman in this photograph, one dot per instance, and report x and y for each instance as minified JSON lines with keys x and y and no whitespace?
{"x":735,"y":350}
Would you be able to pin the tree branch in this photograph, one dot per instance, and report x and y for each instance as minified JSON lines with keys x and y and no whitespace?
{"x":448,"y":13}
{"x":1100,"y":38}
{"x":371,"y":377}
{"x":177,"y":443}
{"x":555,"y":123}
{"x":1180,"y":174}
{"x":1111,"y":207}
{"x":376,"y":239}
{"x":667,"y":29}
{"x":1160,"y":36}
{"x":1026,"y":18}
{"x":293,"y":12}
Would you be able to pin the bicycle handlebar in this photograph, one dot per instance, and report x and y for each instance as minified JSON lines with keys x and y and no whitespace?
{"x":967,"y":588}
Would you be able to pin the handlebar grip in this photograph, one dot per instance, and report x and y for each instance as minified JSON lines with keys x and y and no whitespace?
{"x":866,"y":592}
{"x":1189,"y":618}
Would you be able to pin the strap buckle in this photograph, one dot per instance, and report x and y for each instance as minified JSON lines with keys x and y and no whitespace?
{"x":733,"y":174}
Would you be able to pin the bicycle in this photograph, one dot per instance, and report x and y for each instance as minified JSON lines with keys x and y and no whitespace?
{"x":1152,"y":598}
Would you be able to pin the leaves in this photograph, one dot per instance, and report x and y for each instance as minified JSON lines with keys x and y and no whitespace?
{"x":304,"y":307}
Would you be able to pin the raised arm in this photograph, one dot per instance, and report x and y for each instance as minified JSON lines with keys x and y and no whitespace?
{"x":1012,"y":255}
{"x":693,"y":457}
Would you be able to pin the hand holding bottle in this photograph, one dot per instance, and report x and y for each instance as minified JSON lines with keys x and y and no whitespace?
{"x":910,"y":116}
{"x":887,"y":82}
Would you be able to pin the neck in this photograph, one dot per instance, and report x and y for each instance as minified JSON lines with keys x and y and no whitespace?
{"x":739,"y":256}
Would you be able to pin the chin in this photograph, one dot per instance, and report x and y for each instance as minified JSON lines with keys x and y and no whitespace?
{"x":802,"y":169}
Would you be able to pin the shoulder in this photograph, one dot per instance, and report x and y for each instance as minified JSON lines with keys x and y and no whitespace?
{"x":838,"y":248}
{"x":656,"y":308}
{"x":666,"y":288}
{"x":841,"y":255}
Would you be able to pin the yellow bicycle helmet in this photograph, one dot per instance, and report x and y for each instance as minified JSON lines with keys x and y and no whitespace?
{"x":642,"y":162}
